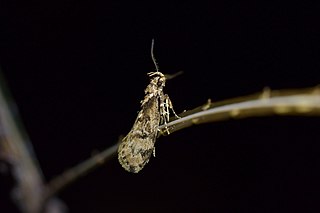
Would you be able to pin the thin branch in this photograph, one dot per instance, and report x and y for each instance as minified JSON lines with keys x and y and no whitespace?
{"x":302,"y":102}
{"x":79,"y":170}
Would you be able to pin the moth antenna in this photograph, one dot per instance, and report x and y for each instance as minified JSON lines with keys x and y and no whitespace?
{"x":152,"y":56}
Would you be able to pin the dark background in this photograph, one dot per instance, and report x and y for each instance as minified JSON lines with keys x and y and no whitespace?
{"x":77,"y":70}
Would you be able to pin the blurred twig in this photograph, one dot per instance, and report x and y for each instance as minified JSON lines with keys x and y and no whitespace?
{"x":17,"y":152}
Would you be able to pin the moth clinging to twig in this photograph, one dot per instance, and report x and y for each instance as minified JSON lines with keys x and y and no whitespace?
{"x":137,"y":147}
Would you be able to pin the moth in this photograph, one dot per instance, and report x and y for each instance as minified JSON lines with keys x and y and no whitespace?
{"x":137,"y":147}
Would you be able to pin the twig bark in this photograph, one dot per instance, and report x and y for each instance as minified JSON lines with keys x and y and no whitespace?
{"x":303,"y":102}
{"x":79,"y":170}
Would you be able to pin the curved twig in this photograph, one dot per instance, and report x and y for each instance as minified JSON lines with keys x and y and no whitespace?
{"x":303,"y":102}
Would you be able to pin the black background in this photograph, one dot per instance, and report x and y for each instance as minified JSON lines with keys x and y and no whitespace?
{"x":77,"y":70}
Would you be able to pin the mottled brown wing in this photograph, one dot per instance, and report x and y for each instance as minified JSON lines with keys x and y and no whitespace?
{"x":136,"y":148}
{"x":135,"y":151}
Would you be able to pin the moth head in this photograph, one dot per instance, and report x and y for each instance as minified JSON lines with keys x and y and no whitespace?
{"x":157,"y":78}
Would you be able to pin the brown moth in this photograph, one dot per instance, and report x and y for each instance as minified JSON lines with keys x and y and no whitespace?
{"x":136,"y":148}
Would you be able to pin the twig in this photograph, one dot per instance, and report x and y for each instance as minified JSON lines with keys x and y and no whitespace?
{"x":79,"y":170}
{"x":302,"y":102}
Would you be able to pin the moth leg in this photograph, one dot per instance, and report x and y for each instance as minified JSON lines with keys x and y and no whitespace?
{"x":169,"y":104}
{"x":164,"y":111}
{"x":165,"y":105}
